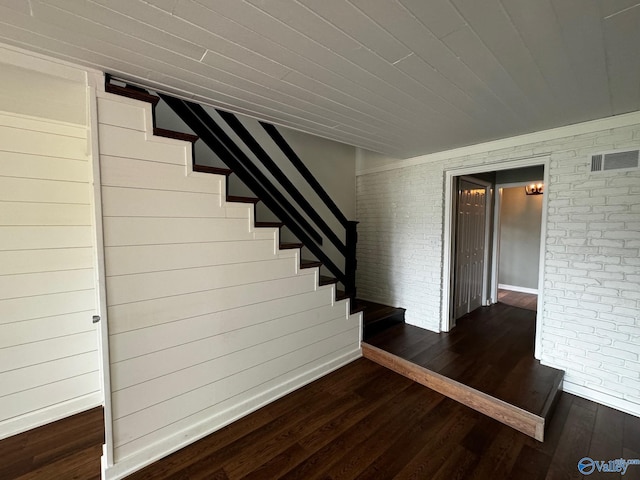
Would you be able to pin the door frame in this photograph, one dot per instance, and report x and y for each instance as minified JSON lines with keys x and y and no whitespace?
{"x":448,"y":239}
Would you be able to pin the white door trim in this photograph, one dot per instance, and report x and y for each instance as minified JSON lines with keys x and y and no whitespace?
{"x":447,"y":246}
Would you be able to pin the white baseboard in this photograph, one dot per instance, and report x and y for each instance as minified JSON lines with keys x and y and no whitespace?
{"x":515,"y":288}
{"x":210,"y":425}
{"x":50,"y":414}
{"x":602,"y":398}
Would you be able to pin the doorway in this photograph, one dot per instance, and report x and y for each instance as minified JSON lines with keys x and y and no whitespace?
{"x":456,"y":298}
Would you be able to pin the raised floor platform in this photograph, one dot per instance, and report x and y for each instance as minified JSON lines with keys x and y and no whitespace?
{"x":486,"y":363}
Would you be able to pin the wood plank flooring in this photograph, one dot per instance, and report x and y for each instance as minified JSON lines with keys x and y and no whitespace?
{"x":490,"y":350}
{"x":518,"y":299}
{"x":69,"y":448}
{"x":360,"y":422}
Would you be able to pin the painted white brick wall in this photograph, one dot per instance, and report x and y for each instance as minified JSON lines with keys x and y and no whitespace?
{"x":591,"y":324}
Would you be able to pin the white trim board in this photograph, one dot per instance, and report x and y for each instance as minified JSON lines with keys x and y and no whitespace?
{"x":599,"y":397}
{"x":515,"y":288}
{"x":541,"y":136}
{"x":186,"y":437}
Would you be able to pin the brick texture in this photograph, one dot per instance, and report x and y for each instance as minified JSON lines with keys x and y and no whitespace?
{"x":591,"y":324}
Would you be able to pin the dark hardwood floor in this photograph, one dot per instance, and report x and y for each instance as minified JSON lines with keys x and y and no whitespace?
{"x":69,"y":448}
{"x":490,"y":349}
{"x":360,"y":422}
{"x":517,"y":299}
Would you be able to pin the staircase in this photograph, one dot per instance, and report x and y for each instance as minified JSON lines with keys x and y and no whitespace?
{"x":229,"y":140}
{"x":210,"y":315}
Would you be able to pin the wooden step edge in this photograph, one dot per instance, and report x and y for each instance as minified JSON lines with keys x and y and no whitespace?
{"x":269,"y":224}
{"x":131,"y":93}
{"x":515,"y":417}
{"x":310,"y":263}
{"x":233,"y":198}
{"x":163,"y":132}
{"x":213,"y":170}
{"x":326,"y":280}
{"x":394,"y":315}
{"x":290,"y":246}
{"x":553,"y":397}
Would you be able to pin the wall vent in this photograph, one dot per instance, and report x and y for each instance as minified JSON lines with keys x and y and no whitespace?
{"x":615,"y":160}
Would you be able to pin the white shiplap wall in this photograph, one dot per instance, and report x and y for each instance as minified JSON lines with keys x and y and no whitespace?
{"x":48,"y":343}
{"x":208,"y":320}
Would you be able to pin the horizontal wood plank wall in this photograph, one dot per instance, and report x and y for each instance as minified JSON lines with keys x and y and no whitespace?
{"x":208,"y":320}
{"x":48,"y":343}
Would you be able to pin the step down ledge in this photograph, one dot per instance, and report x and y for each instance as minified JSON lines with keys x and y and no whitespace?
{"x":515,"y":417}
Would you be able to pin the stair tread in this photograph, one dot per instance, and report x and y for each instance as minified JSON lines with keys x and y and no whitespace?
{"x":304,"y":263}
{"x":163,"y":132}
{"x":213,"y":170}
{"x":326,"y":280}
{"x":377,"y":312}
{"x":131,"y":93}
{"x":290,"y":246}
{"x":269,"y":224}
{"x":234,"y":198}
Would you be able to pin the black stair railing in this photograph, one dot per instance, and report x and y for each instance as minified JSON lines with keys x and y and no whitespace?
{"x":205,"y":127}
{"x":301,"y":219}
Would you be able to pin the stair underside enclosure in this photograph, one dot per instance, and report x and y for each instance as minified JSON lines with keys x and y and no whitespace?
{"x":209,"y":316}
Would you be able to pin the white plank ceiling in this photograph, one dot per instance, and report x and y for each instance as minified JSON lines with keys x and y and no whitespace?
{"x":401,"y":77}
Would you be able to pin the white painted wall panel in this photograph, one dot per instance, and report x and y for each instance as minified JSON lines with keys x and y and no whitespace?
{"x":156,"y":258}
{"x":25,"y":165}
{"x":128,"y":172}
{"x":132,"y":343}
{"x":35,"y":284}
{"x":127,"y":143}
{"x":139,"y":371}
{"x":121,"y":231}
{"x":49,"y":372}
{"x":123,"y":112}
{"x":135,"y":202}
{"x":18,"y":140}
{"x":41,"y":237}
{"x":147,"y":286}
{"x":130,"y":316}
{"x":28,"y":308}
{"x":13,"y":213}
{"x":207,"y":318}
{"x":38,"y":329}
{"x":49,"y":394}
{"x":20,"y":356}
{"x":48,"y":343}
{"x":43,"y":191}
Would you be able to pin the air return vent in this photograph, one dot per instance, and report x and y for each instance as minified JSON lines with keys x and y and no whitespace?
{"x":616,"y":160}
